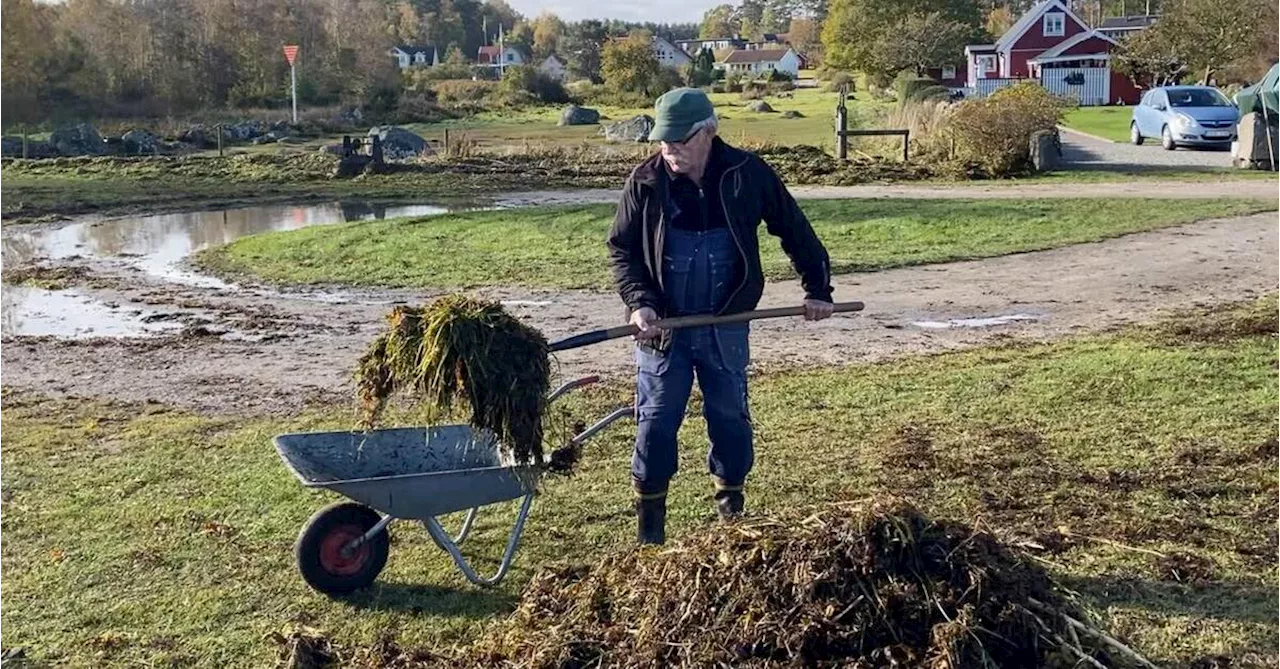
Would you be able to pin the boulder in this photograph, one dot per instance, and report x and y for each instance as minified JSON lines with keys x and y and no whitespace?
{"x":11,"y":147}
{"x":398,"y":143}
{"x":269,"y":138}
{"x":1046,"y":150}
{"x":575,"y":115}
{"x":759,"y":106}
{"x":139,"y":141}
{"x":335,"y":149}
{"x":77,"y":140}
{"x":634,"y":129}
{"x":198,"y":136}
{"x":292,"y":139}
{"x":791,"y":113}
{"x":244,"y":130}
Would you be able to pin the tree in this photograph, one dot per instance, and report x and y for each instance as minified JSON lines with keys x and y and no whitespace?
{"x":581,"y":46}
{"x":805,"y":35}
{"x":719,"y":21}
{"x":919,"y":42}
{"x":999,"y":20}
{"x":855,"y":31}
{"x":701,"y":71}
{"x":547,"y":32}
{"x":629,"y":65}
{"x":748,"y":17}
{"x":1198,"y":38}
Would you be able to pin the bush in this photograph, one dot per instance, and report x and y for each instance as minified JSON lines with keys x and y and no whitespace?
{"x":994,"y":133}
{"x":779,"y":76}
{"x":419,"y":108}
{"x":418,"y":78}
{"x":908,"y":86}
{"x":527,"y":83}
{"x":839,"y":79}
{"x":462,"y":90}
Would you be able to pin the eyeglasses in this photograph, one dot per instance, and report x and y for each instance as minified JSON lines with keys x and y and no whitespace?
{"x":682,"y":142}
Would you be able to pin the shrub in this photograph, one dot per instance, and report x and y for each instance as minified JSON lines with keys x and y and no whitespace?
{"x":527,"y":83}
{"x":908,"y":86}
{"x":779,"y":75}
{"x":839,"y":79}
{"x":462,"y":90}
{"x":994,"y":133}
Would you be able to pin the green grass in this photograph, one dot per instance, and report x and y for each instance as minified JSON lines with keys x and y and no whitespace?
{"x":141,"y":535}
{"x":563,"y":247}
{"x":538,"y":125}
{"x":1109,"y":122}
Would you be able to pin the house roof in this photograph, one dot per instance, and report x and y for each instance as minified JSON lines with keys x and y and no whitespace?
{"x":756,"y":55}
{"x":489,"y":51}
{"x":1129,"y":22}
{"x":1062,"y":47}
{"x":979,"y":48}
{"x":1029,"y":19}
{"x":412,"y":49}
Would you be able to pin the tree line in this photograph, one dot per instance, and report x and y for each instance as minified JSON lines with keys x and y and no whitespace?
{"x":93,"y":58}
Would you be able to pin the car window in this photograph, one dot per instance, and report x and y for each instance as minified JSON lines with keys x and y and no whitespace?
{"x":1149,"y":98}
{"x":1197,"y":97}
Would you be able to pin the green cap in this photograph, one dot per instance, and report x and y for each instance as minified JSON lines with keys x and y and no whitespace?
{"x":676,"y":112}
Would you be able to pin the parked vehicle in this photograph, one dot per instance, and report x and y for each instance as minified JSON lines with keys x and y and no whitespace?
{"x":1184,"y":116}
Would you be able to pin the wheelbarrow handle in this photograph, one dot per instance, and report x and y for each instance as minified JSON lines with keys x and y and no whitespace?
{"x":597,"y":336}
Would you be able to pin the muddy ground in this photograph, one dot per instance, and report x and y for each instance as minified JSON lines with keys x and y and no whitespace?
{"x":260,"y":351}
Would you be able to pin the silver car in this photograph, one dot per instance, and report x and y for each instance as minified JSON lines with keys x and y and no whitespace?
{"x":1184,"y":116}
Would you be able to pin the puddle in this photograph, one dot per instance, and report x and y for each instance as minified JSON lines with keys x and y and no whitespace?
{"x":986,"y":322}
{"x":158,"y":245}
{"x":71,"y":314}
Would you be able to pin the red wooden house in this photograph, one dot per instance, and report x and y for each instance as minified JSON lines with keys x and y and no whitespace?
{"x":1053,"y":46}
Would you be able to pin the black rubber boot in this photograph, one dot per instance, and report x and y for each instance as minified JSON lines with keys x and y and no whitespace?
{"x":651,"y":520}
{"x":730,"y":503}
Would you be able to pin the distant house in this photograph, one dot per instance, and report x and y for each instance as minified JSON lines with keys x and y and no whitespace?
{"x":1053,"y":46}
{"x":1119,"y":27}
{"x":951,"y":75}
{"x":670,"y":55}
{"x":693,"y":46}
{"x":495,"y":56}
{"x":554,"y":67}
{"x":760,"y":61}
{"x":407,"y":56}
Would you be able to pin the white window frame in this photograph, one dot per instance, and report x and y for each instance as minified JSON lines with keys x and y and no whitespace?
{"x":948,"y":71}
{"x":420,"y":57}
{"x":1060,"y":29}
{"x":986,"y":63}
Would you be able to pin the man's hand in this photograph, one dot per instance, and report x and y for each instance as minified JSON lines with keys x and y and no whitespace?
{"x":642,"y":318}
{"x":814,"y":310}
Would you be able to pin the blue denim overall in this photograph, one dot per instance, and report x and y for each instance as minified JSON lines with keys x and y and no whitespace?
{"x":700,"y":272}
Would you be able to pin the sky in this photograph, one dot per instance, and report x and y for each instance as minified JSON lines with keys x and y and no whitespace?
{"x":658,"y":11}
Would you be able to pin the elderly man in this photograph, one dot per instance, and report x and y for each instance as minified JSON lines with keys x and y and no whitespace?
{"x":685,"y":241}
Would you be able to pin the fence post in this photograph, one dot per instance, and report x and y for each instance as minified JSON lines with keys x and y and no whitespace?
{"x":842,"y":125}
{"x":218,"y":128}
{"x":906,"y":141}
{"x":24,"y":144}
{"x":446,"y":141}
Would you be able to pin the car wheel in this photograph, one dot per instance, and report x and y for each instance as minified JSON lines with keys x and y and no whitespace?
{"x":1134,"y":135}
{"x":1166,"y":139}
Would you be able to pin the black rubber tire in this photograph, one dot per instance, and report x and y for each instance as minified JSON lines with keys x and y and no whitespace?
{"x":1134,"y":135}
{"x":1166,"y":139}
{"x":341,"y":519}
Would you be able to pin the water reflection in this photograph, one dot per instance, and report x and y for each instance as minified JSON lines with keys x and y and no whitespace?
{"x":70,"y":314}
{"x":156,"y":244}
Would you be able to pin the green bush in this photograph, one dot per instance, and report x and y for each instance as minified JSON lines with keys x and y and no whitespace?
{"x":993,"y":134}
{"x":780,"y":76}
{"x":838,"y":79}
{"x":527,"y":83}
{"x":908,"y":87}
{"x":462,"y":90}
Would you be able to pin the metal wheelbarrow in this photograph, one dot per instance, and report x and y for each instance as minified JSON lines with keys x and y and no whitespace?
{"x":405,"y":474}
{"x":424,"y":472}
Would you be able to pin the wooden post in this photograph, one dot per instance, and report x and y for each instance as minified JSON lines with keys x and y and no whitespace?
{"x":906,"y":140}
{"x":218,"y":128}
{"x":377,"y":150}
{"x":842,"y":125}
{"x":446,"y":141}
{"x":24,"y":144}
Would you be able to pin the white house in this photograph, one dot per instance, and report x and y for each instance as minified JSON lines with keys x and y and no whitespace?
{"x":670,"y":55}
{"x":494,"y":56}
{"x":553,"y":67}
{"x":693,"y":46}
{"x":409,"y":56}
{"x":760,"y":61}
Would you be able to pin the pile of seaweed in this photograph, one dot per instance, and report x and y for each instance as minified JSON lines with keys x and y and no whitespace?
{"x":466,"y":353}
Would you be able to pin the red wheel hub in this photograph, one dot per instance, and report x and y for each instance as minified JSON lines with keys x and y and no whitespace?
{"x":335,"y":559}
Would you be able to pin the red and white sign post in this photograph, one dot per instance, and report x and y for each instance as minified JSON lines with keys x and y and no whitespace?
{"x":291,"y":54}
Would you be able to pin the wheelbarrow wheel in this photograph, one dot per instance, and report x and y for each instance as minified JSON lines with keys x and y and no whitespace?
{"x":325,"y":559}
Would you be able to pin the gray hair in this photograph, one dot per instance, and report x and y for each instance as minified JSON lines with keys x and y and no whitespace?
{"x":709,"y":122}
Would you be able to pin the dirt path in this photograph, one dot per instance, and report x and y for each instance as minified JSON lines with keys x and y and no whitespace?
{"x":1086,"y":287}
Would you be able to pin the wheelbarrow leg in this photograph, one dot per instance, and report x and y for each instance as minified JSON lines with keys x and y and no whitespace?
{"x":466,"y":526}
{"x":443,"y":540}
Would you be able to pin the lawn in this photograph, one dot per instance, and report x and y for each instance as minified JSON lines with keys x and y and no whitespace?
{"x":1142,"y":462}
{"x":562,"y":247}
{"x":1108,"y":122}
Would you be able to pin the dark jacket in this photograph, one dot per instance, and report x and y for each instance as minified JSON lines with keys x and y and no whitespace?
{"x":750,"y":191}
